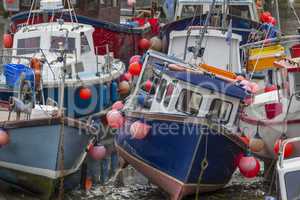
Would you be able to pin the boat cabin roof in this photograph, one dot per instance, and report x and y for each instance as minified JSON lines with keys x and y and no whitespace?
{"x":232,"y":2}
{"x":288,"y":64}
{"x":207,"y":81}
{"x":56,"y":27}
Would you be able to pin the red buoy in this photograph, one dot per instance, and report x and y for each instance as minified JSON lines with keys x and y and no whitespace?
{"x":97,"y":152}
{"x":4,"y":138}
{"x":126,"y":77}
{"x":144,"y":44}
{"x":272,"y":20}
{"x":148,"y":85}
{"x":10,"y":1}
{"x":7,"y":40}
{"x":135,"y":69}
{"x":245,"y":139}
{"x":249,"y":166}
{"x":288,"y":151}
{"x":85,"y":93}
{"x":264,"y":17}
{"x":270,"y":88}
{"x":237,"y":159}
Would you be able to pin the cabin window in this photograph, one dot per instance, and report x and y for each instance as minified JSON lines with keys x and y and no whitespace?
{"x":189,"y":102}
{"x":28,"y":45}
{"x":220,"y":109}
{"x":55,"y":41}
{"x":240,"y":11}
{"x":191,"y":10}
{"x":84,"y":44}
{"x":161,"y":90}
{"x":169,"y":93}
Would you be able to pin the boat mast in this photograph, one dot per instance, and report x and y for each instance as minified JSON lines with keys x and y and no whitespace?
{"x":198,"y":51}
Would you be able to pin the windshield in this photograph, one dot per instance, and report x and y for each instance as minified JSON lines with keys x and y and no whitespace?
{"x":56,"y":40}
{"x":28,"y":45}
{"x":240,"y":11}
{"x":191,"y":10}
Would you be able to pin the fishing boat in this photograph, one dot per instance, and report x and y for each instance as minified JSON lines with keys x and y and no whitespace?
{"x":274,"y":114}
{"x":122,"y":33}
{"x":40,"y":147}
{"x":92,"y":80}
{"x":172,"y":128}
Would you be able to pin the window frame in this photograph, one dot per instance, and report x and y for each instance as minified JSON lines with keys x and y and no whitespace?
{"x":230,"y":113}
{"x":28,"y":50}
{"x":186,"y":90}
{"x":161,"y":95}
{"x":85,"y":39}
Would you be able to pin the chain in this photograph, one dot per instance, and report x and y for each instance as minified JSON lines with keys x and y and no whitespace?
{"x":61,"y":159}
{"x":204,"y":165}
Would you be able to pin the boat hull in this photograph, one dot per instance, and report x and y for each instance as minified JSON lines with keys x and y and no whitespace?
{"x":270,"y":131}
{"x":101,"y":98}
{"x":172,"y":160}
{"x":32,"y":158}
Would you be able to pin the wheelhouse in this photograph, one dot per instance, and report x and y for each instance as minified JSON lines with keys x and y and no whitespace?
{"x":188,"y":8}
{"x":44,"y":41}
{"x":192,"y":93}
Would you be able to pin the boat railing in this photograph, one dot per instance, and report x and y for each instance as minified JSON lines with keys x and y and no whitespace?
{"x":25,"y":55}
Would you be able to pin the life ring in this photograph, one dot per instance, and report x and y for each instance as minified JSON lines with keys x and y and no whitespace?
{"x":36,"y":65}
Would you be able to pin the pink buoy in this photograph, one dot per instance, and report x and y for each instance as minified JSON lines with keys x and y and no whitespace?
{"x":115,"y":119}
{"x":240,"y":78}
{"x":4,"y":138}
{"x":131,"y":2}
{"x":118,"y":105}
{"x":244,"y":82}
{"x":97,"y":152}
{"x":135,"y":58}
{"x":254,"y":87}
{"x":249,"y":166}
{"x":139,"y":130}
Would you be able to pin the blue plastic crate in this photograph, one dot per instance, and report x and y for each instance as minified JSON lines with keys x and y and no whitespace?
{"x":12,"y":73}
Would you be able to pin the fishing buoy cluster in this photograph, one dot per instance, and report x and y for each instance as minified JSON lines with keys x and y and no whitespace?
{"x":7,"y":40}
{"x":266,"y":17}
{"x":115,"y":119}
{"x":4,"y":138}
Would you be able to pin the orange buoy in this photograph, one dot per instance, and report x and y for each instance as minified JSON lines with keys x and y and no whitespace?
{"x":4,"y":137}
{"x":7,"y":40}
{"x":256,"y":143}
{"x":88,"y":183}
{"x":124,"y":88}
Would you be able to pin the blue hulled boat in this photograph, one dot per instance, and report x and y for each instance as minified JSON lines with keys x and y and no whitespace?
{"x":185,"y":141}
